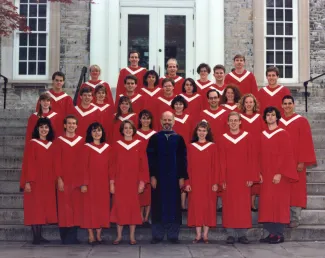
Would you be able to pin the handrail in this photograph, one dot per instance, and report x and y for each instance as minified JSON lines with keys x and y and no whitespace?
{"x":306,"y":91}
{"x":82,"y":79}
{"x":5,"y":79}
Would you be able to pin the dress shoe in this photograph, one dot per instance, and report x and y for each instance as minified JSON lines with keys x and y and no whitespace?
{"x":230,"y":240}
{"x":293,"y":224}
{"x":243,"y":240}
{"x":277,"y":240}
{"x":155,"y":241}
{"x":219,"y":209}
{"x":254,"y":209}
{"x":266,"y":239}
{"x":174,"y":241}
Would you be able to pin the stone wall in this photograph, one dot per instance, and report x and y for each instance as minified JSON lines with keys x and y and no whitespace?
{"x":239,"y":32}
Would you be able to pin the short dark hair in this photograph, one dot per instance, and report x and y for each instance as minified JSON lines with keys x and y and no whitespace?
{"x":43,"y":96}
{"x":213,"y":90}
{"x":203,"y":124}
{"x":100,"y":87}
{"x":272,"y":69}
{"x":192,"y":82}
{"x":145,"y":113}
{"x":134,"y":52}
{"x":43,"y":121}
{"x":219,"y":66}
{"x":203,"y":65}
{"x":239,"y":56}
{"x":91,"y":127}
{"x":150,"y":72}
{"x":270,"y":110}
{"x":179,"y":98}
{"x":58,"y":73}
{"x":236,"y":93}
{"x":127,"y":122}
{"x":167,"y":80}
{"x":120,"y":101}
{"x":131,"y":77}
{"x":288,"y":97}
{"x":65,"y":120}
{"x":85,"y":90}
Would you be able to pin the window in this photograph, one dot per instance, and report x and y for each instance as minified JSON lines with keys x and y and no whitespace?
{"x":281,"y":38}
{"x":31,"y":49}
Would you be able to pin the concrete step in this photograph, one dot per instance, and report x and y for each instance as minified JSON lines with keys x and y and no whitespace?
{"x":316,"y":188}
{"x":314,"y":176}
{"x":12,"y":151}
{"x":10,"y":162}
{"x":12,"y":131}
{"x":11,"y":201}
{"x":10,"y":174}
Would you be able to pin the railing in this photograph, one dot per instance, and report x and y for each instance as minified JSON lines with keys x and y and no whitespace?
{"x":82,"y":79}
{"x":4,"y":90}
{"x":306,"y":91}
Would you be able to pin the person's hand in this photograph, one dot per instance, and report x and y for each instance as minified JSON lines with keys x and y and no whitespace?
{"x":153,"y":182}
{"x":300,"y":167}
{"x":224,"y":186}
{"x":215,"y":188}
{"x":112,"y":188}
{"x":188,"y":188}
{"x":249,"y":183}
{"x":28,"y":188}
{"x":84,"y":189}
{"x":261,"y":179}
{"x":181,"y":183}
{"x":60,"y":185}
{"x":141,"y":187}
{"x":276,"y":179}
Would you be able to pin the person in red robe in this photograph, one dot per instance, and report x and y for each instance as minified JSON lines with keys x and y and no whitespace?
{"x":278,"y":170}
{"x":67,"y":151}
{"x":252,"y":122}
{"x":86,"y":112}
{"x":194,"y":99}
{"x":204,"y":173}
{"x":219,"y":72}
{"x":203,"y":84}
{"x":303,"y":148}
{"x":61,"y":102}
{"x":230,"y":98}
{"x":138,"y":101}
{"x":133,"y":69}
{"x":273,"y":93}
{"x":129,"y":180}
{"x":144,"y":133}
{"x":124,"y":112}
{"x":94,"y":72}
{"x":244,"y":79}
{"x":38,"y":180}
{"x":172,"y":67}
{"x":237,"y":151}
{"x":96,"y":170}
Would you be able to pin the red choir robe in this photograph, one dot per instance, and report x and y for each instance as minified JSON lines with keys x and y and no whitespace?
{"x":184,"y":126}
{"x":92,"y":84}
{"x":139,"y":72}
{"x":178,"y":83}
{"x":61,"y":103}
{"x":238,"y":165}
{"x":276,"y":157}
{"x":217,"y":120}
{"x":86,"y":117}
{"x":203,"y":87}
{"x":67,"y":153}
{"x":145,"y":197}
{"x":303,"y":148}
{"x":137,"y":100}
{"x":253,"y":124}
{"x":231,"y":107}
{"x":246,"y":82}
{"x":162,"y":104}
{"x":150,"y":100}
{"x":40,"y":203}
{"x":130,"y":168}
{"x":106,"y":112}
{"x":96,"y":173}
{"x":272,"y":97}
{"x":217,"y":88}
{"x":115,"y":135}
{"x":195,"y":104}
{"x":203,"y":172}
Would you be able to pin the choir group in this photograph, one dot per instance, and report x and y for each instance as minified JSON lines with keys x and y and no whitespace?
{"x":89,"y":165}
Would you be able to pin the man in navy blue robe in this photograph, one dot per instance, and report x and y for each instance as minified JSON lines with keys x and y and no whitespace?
{"x":168,"y":170}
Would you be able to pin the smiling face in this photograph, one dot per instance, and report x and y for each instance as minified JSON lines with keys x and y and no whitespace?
{"x":130,"y":85}
{"x":151,"y":79}
{"x":172,"y":68}
{"x":125,"y":106}
{"x":179,"y":107}
{"x":134,"y":59}
{"x":145,"y":121}
{"x":97,"y":134}
{"x":239,"y":63}
{"x":230,"y":95}
{"x":168,"y":88}
{"x":204,"y":73}
{"x":219,"y":75}
{"x":249,"y":104}
{"x":71,"y":125}
{"x":288,"y":106}
{"x":167,"y":121}
{"x":213,"y":99}
{"x":100,"y":95}
{"x":188,"y":87}
{"x":271,"y":118}
{"x":45,"y":104}
{"x":86,"y":98}
{"x":57,"y":83}
{"x":43,"y":131}
{"x":202,"y":133}
{"x":128,"y":130}
{"x":94,"y":74}
{"x":272,"y":78}
{"x":234,"y":122}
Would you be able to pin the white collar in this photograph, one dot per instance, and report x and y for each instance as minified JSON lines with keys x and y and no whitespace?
{"x":151,"y":93}
{"x":239,"y":79}
{"x":103,"y":107}
{"x":127,"y":117}
{"x":202,"y":87}
{"x":272,"y":134}
{"x":202,"y":148}
{"x":46,"y":146}
{"x":191,"y":98}
{"x":230,"y":107}
{"x":134,"y":98}
{"x":183,"y":120}
{"x":94,"y":85}
{"x":71,"y":143}
{"x":272,"y":93}
{"x":235,"y":141}
{"x":49,"y":116}
{"x":146,"y":136}
{"x":134,"y":72}
{"x":99,"y":150}
{"x":250,"y":120}
{"x":175,"y":80}
{"x":214,"y":116}
{"x":220,"y":91}
{"x":128,"y":146}
{"x":165,"y":101}
{"x":87,"y":112}
{"x":57,"y":98}
{"x":286,"y":123}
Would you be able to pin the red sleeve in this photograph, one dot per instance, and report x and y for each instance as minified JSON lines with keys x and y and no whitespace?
{"x":37,"y":106}
{"x":223,"y":158}
{"x":30,"y":171}
{"x":32,"y":120}
{"x":110,"y":163}
{"x":68,"y":106}
{"x":117,"y":99}
{"x":120,"y":83}
{"x":109,"y":94}
{"x":113,"y":163}
{"x":227,"y":79}
{"x":144,"y":167}
{"x":57,"y":153}
{"x":254,"y":87}
{"x":82,"y":178}
{"x":216,"y":166}
{"x":253,"y":174}
{"x":306,"y":152}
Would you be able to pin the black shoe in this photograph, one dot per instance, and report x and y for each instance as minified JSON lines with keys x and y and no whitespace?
{"x":266,"y":239}
{"x":174,"y":241}
{"x":36,"y":242}
{"x":243,"y":240}
{"x":155,"y":241}
{"x":146,"y":224}
{"x":277,"y":240}
{"x":230,"y":240}
{"x":254,"y":209}
{"x":184,"y":210}
{"x":219,"y":209}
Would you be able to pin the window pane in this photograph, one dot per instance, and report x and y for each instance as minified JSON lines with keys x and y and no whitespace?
{"x":42,"y":1}
{"x":270,"y":3}
{"x":33,"y":1}
{"x":42,"y":10}
{"x":269,"y":15}
{"x":23,"y":53}
{"x":32,"y":10}
{"x":32,"y":68}
{"x":22,"y":69}
{"x":23,"y":10}
{"x":42,"y":39}
{"x":279,"y":29}
{"x":279,"y":43}
{"x":280,"y":67}
{"x":288,"y":3}
{"x":279,"y":57}
{"x":32,"y":39}
{"x":23,"y":1}
{"x":270,"y":28}
{"x":269,"y":43}
{"x":42,"y":54}
{"x":288,"y":57}
{"x":41,"y":68}
{"x":288,"y":14}
{"x":288,"y":44}
{"x":269,"y":57}
{"x":279,"y":15}
{"x":289,"y":29}
{"x":279,"y":3}
{"x":41,"y":24}
{"x":32,"y":24}
{"x":23,"y":39}
{"x":32,"y":53}
{"x":288,"y":72}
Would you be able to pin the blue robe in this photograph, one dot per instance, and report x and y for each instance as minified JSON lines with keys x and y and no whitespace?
{"x":167,"y":159}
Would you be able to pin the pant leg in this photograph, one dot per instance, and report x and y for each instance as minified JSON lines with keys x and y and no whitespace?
{"x":231,"y":232}
{"x":295,"y":213}
{"x":279,"y":229}
{"x":241,"y":232}
{"x":63,"y":233}
{"x":269,"y":227}
{"x":158,"y":231}
{"x":71,"y":236}
{"x":172,"y":230}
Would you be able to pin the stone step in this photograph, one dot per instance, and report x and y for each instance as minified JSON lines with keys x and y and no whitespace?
{"x":316,"y":188}
{"x":314,"y":176}
{"x":12,"y":131}
{"x":11,"y":201}
{"x":10,"y":174}
{"x":10,"y":162}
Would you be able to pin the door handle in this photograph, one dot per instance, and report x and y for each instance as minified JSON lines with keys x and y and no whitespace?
{"x":159,"y":70}
{"x":154,"y":68}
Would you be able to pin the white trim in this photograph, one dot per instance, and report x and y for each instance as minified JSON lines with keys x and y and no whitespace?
{"x":99,"y":150}
{"x":190,"y":99}
{"x":71,"y":143}
{"x":214,"y":116}
{"x":128,"y":146}
{"x":103,"y":107}
{"x":146,"y":136}
{"x":51,"y":115}
{"x":87,"y":112}
{"x":133,"y":99}
{"x":250,"y":120}
{"x":202,"y":148}
{"x":182,"y":120}
{"x":268,"y":135}
{"x":202,"y":87}
{"x":151,"y":93}
{"x":127,"y":117}
{"x":178,"y":79}
{"x":165,"y":101}
{"x":46,"y":146}
{"x":134,"y":72}
{"x":235,"y":141}
{"x":57,"y":98}
{"x":286,"y":123}
{"x":93,"y":85}
{"x":230,"y":107}
{"x":162,"y":3}
{"x":220,"y":91}
{"x":239,"y":79}
{"x":272,"y":93}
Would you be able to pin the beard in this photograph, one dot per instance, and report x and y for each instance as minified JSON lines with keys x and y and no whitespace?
{"x":167,"y":127}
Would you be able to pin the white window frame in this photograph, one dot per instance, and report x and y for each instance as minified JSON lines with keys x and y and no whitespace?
{"x":16,"y":75}
{"x":295,"y":45}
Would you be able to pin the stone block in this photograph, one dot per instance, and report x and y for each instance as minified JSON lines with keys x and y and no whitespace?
{"x":10,"y":174}
{"x":11,"y":216}
{"x":315,"y":202}
{"x":315,"y":176}
{"x":10,"y":162}
{"x":316,"y":188}
{"x":10,"y":187}
{"x":11,"y":201}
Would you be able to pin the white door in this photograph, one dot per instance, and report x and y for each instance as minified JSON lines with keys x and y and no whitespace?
{"x":159,"y":34}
